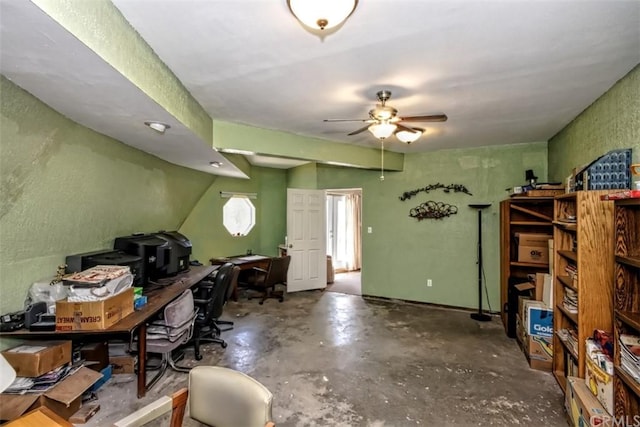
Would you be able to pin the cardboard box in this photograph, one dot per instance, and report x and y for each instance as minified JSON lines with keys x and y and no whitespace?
{"x":533,"y":247}
{"x":64,"y":399}
{"x":93,"y":315}
{"x":95,"y":355}
{"x":123,"y":364}
{"x":600,"y":383}
{"x":583,"y":408}
{"x":533,"y":254}
{"x":540,"y":352}
{"x":539,"y":321}
{"x":36,"y":358}
{"x":534,"y":240}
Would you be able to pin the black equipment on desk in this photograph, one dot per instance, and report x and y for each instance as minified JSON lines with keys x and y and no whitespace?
{"x":81,"y":262}
{"x":154,"y":251}
{"x":180,"y":251}
{"x":12,"y":321}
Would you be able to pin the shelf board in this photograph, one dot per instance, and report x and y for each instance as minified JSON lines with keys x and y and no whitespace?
{"x":628,"y":380}
{"x":567,"y":282}
{"x":529,"y":264}
{"x":531,"y":212}
{"x":534,"y":223}
{"x":562,"y":380}
{"x":572,"y":195}
{"x":571,"y":316}
{"x":628,"y":260}
{"x":566,"y":226}
{"x":567,"y":346}
{"x":569,"y":255}
{"x":630,"y":318}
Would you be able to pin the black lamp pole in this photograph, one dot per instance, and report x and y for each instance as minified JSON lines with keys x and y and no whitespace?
{"x":480,"y":316}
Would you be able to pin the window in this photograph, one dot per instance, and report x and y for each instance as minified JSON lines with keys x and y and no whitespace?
{"x":239,"y":215}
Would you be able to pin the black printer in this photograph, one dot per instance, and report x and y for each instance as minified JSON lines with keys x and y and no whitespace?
{"x":180,"y":251}
{"x":80,"y":262}
{"x":154,"y":251}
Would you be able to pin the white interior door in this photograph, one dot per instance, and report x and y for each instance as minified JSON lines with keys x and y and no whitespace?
{"x":306,"y":236}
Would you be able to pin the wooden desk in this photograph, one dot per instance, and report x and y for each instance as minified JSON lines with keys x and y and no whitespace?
{"x":136,"y":322}
{"x":245,"y":262}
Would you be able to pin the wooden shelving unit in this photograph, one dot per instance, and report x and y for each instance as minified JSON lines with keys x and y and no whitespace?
{"x":520,"y":215}
{"x":626,"y":300}
{"x":586,"y":244}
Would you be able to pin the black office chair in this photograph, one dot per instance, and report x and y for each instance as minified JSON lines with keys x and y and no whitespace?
{"x":265,"y":280}
{"x":210,"y":297}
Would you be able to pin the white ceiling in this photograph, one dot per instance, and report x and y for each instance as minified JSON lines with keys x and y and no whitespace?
{"x":503,"y":71}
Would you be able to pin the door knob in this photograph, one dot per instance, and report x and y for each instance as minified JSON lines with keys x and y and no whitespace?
{"x":290,"y":245}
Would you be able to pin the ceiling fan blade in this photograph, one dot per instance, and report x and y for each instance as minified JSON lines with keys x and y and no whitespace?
{"x":348,"y":120}
{"x":362,"y":129}
{"x":404,"y":128}
{"x":431,"y":118}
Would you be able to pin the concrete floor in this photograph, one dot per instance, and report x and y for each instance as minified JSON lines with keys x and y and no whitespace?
{"x":340,"y":360}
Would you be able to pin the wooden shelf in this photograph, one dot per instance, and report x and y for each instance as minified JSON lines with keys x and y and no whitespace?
{"x":573,"y":256}
{"x":571,"y":316}
{"x":626,"y":288}
{"x":567,"y":282}
{"x":630,"y":318}
{"x":628,"y":260}
{"x":568,"y":347}
{"x":529,"y":264}
{"x":562,"y":380}
{"x":566,"y":226}
{"x":574,"y":244}
{"x":524,"y":214}
{"x":628,"y":380}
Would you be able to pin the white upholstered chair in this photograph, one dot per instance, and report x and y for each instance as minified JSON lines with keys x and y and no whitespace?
{"x":219,"y":397}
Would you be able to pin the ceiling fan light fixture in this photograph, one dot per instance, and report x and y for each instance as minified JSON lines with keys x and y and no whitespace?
{"x":409,"y":137}
{"x":382,"y":130}
{"x":158,"y":126}
{"x":322,"y":14}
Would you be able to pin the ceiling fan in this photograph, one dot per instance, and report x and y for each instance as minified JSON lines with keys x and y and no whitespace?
{"x":384,"y":121}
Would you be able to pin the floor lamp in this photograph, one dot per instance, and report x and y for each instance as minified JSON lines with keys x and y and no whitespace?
{"x":480,"y":316}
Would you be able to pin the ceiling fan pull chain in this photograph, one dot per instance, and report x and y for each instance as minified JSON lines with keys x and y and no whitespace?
{"x":382,"y":160}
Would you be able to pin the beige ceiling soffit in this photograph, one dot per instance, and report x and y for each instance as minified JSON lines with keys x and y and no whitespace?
{"x":276,"y":143}
{"x":101,"y":27}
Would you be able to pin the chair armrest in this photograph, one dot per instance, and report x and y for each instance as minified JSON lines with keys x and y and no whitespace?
{"x":175,"y":404}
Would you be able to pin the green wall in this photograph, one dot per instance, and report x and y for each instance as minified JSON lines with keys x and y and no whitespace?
{"x":305,"y":177}
{"x":66,"y":189}
{"x":402,"y":253}
{"x":611,"y":122}
{"x":204,"y":224}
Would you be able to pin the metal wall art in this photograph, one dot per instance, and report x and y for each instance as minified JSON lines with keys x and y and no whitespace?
{"x":456,"y":188}
{"x":433,"y":210}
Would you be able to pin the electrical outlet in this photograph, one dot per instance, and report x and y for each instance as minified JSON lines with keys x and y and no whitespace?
{"x":369,"y":230}
{"x":429,"y":283}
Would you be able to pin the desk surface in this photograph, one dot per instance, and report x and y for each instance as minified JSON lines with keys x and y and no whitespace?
{"x":157,"y":299}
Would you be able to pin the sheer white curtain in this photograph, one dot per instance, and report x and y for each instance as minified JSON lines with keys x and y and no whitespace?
{"x":354,"y":231}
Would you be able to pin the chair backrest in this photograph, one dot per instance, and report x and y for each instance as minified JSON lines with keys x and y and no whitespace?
{"x":178,"y":319}
{"x":219,"y":294}
{"x":235,"y":273}
{"x":224,"y":397}
{"x":277,"y":272}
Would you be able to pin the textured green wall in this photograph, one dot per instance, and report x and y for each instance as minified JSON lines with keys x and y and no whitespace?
{"x":402,"y":253}
{"x":611,"y":122}
{"x":305,"y":176}
{"x":100,"y":25}
{"x":67,"y":189}
{"x":204,"y":224}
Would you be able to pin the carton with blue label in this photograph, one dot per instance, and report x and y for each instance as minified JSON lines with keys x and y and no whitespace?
{"x":539,"y":320}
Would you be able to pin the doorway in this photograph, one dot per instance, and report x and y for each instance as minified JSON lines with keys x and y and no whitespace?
{"x":344,"y":239}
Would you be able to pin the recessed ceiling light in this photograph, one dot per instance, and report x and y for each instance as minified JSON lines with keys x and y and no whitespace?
{"x":158,"y":126}
{"x":215,"y":164}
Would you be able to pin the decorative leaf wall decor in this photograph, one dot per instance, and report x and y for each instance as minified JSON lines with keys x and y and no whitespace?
{"x":433,"y":210}
{"x":456,"y":188}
